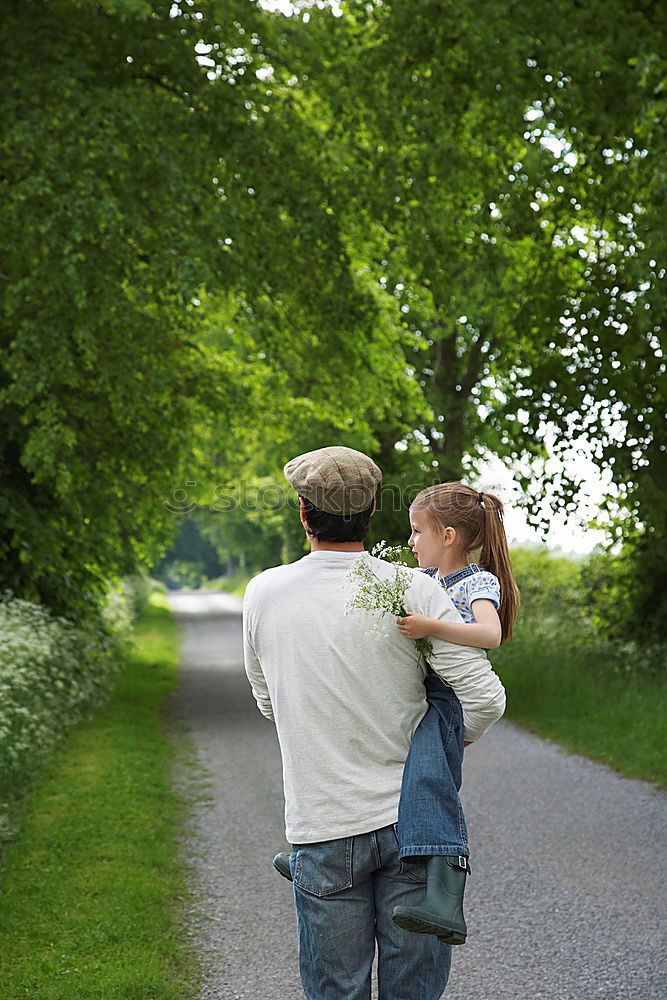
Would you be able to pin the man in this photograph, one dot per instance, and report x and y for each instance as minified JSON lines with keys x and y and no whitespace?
{"x":346,"y":699}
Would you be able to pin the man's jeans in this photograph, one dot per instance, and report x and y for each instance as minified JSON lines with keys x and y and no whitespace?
{"x":430,"y":816}
{"x":344,"y":891}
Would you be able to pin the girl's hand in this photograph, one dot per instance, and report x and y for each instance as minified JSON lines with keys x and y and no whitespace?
{"x":414,"y":626}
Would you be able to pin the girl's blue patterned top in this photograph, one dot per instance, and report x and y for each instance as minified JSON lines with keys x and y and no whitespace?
{"x":467,"y":585}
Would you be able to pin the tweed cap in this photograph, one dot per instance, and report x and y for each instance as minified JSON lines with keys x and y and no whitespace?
{"x":338,"y":480}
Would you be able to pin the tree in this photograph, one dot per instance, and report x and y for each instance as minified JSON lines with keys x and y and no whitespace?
{"x":502,"y":179}
{"x":144,"y":180}
{"x":487,"y":167}
{"x":486,"y":172}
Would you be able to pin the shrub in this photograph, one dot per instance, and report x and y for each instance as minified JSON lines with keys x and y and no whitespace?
{"x":51,"y":674}
{"x":552,"y":593}
{"x":627,"y":591}
{"x":562,"y":600}
{"x":125,"y":602}
{"x":181,"y":573}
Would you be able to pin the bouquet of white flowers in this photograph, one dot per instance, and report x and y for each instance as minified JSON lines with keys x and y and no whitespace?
{"x":384,"y":597}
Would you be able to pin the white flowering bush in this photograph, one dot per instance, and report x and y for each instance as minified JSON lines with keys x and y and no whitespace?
{"x":51,"y":674}
{"x":125,"y":601}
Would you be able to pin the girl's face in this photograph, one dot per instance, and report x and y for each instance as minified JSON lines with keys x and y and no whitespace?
{"x":426,"y":544}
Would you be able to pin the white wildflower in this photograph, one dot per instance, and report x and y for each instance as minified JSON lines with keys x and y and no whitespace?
{"x":383,"y":597}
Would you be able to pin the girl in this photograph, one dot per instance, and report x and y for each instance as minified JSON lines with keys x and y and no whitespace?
{"x":449,"y":522}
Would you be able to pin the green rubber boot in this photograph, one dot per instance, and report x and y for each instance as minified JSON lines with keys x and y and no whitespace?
{"x":441,"y":910}
{"x":281,"y":864}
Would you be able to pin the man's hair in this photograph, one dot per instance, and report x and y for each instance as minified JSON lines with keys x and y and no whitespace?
{"x":337,"y":527}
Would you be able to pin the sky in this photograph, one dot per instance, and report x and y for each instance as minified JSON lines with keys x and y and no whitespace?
{"x":567,"y":534}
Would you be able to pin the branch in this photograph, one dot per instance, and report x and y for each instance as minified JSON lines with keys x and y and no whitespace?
{"x":474,"y":358}
{"x":444,"y":375}
{"x":174,"y":91}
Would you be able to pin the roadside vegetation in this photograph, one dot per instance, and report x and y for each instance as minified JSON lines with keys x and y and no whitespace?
{"x":349,"y":237}
{"x":52,"y":674}
{"x":568,"y":682}
{"x":235,"y":584}
{"x":92,"y":885}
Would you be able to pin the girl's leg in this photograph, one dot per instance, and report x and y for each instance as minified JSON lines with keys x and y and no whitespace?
{"x":430,"y":815}
{"x":431,"y":824}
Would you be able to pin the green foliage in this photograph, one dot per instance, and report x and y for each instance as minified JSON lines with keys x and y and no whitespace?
{"x":429,"y":231}
{"x":578,"y":606}
{"x":627,"y":592}
{"x":234,"y":584}
{"x":191,"y":558}
{"x":93,"y":889}
{"x":552,"y":593}
{"x":102,"y":162}
{"x":568,"y":680}
{"x":502,"y":178}
{"x":136,"y":591}
{"x":51,"y":674}
{"x":171,"y":295}
{"x":254,"y":522}
{"x":497,"y":182}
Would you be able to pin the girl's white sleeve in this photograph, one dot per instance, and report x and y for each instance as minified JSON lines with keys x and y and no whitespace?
{"x":467,"y":671}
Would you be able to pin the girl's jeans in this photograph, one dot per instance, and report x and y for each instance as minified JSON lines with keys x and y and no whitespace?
{"x":430,"y":816}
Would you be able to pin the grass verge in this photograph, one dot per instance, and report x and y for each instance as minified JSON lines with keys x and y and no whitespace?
{"x":580,"y":699}
{"x":93,"y":890}
{"x":235,"y":584}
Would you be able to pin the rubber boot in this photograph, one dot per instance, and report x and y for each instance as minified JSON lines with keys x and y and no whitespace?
{"x":281,"y":864}
{"x":441,"y":910}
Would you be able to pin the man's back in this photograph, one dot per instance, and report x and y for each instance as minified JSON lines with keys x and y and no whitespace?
{"x":344,"y":688}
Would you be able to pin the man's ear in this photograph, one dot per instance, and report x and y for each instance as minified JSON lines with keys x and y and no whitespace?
{"x":304,"y":519}
{"x":374,"y":506}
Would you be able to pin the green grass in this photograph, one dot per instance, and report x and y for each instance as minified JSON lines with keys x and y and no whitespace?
{"x":579,"y":698}
{"x":93,"y":889}
{"x":235,"y":584}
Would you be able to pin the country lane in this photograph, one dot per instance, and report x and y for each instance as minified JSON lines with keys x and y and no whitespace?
{"x":566,"y":900}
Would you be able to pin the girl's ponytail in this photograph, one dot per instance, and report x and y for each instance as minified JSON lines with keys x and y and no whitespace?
{"x":495,"y":557}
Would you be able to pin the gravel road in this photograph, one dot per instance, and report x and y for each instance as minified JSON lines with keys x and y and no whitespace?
{"x":567,"y":897}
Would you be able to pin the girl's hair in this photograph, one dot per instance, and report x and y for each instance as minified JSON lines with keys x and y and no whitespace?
{"x":478,"y":518}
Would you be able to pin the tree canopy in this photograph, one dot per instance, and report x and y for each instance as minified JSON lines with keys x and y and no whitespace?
{"x":432,"y":230}
{"x":505,"y":179}
{"x":163,"y":275}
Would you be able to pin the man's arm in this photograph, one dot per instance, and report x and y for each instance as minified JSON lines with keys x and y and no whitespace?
{"x":253,"y":667}
{"x":467,"y":671}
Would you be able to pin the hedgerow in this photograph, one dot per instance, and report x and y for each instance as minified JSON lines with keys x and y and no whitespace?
{"x":52,"y":673}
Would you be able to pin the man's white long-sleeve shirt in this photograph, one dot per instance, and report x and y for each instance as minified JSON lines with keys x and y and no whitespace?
{"x":346,"y":693}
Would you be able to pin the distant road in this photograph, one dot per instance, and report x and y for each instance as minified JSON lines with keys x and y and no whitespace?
{"x":567,"y":896}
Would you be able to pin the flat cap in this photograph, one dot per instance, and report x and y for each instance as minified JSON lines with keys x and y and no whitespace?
{"x":337,"y":480}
